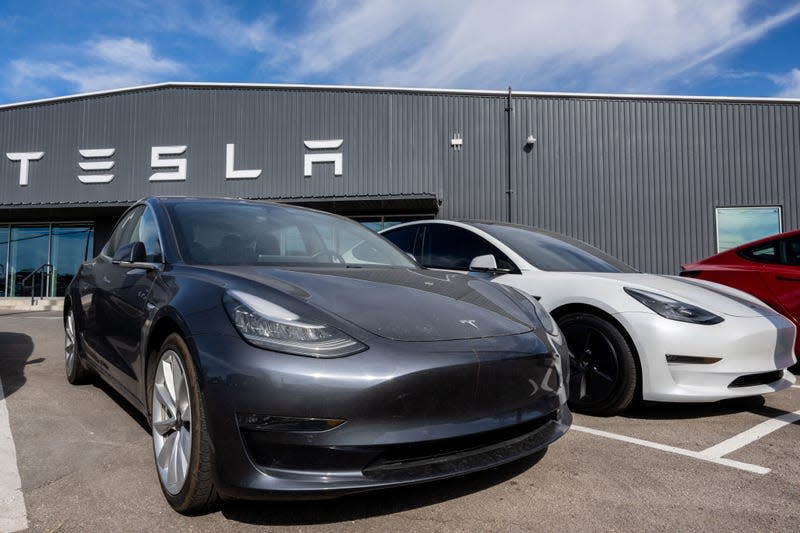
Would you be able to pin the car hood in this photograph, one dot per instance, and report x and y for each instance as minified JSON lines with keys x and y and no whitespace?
{"x":400,"y":303}
{"x":713,"y":297}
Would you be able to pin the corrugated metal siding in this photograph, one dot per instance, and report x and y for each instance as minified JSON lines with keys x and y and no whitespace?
{"x":641,"y":179}
{"x":638,"y":178}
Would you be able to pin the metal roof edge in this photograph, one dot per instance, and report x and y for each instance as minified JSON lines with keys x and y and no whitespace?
{"x":122,"y":203}
{"x":419,"y":90}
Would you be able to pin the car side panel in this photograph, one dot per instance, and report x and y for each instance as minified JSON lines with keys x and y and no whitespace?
{"x":783,"y":282}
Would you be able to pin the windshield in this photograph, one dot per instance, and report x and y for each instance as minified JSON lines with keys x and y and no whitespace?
{"x":553,"y":252}
{"x":240,"y":233}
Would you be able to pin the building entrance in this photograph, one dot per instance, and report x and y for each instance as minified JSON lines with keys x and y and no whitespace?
{"x":26,"y":248}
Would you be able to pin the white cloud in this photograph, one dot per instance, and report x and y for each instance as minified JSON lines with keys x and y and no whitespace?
{"x":790,"y":84}
{"x":611,"y":45}
{"x":96,"y":65}
{"x":218,"y":22}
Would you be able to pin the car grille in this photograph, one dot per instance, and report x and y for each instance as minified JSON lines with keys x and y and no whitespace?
{"x":751,"y":380}
{"x":460,"y":454}
{"x":401,"y":462}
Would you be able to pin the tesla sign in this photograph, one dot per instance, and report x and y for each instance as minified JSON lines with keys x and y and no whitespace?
{"x":169,"y":162}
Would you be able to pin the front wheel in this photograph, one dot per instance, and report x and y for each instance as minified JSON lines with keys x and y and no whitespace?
{"x":181,"y":444}
{"x":603,"y":375}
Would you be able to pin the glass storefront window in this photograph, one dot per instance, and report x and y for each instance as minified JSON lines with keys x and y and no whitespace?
{"x":23,"y":249}
{"x":738,"y":225}
{"x":28,"y":251}
{"x":70,"y":246}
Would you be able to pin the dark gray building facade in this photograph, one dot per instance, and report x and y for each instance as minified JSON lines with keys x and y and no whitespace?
{"x":655,"y":181}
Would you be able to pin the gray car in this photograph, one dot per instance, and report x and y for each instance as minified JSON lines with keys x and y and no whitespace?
{"x":283,"y":352}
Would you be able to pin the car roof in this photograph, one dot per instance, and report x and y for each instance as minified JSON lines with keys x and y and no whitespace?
{"x":762,"y":240}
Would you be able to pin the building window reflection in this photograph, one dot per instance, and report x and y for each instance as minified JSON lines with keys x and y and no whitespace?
{"x":25,"y":248}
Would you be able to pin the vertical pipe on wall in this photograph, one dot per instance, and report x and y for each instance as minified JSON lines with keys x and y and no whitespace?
{"x":509,"y":192}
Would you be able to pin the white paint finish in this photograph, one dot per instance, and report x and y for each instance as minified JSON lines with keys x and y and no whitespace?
{"x":24,"y":159}
{"x":331,"y":144}
{"x":13,"y":516}
{"x":96,"y":165}
{"x":96,"y":179}
{"x":98,"y":152}
{"x":751,"y":435}
{"x":310,"y":159}
{"x":179,"y":164}
{"x":755,"y":469}
{"x":230,"y":173}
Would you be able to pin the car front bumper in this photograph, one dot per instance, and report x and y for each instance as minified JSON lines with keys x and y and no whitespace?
{"x":411,"y":412}
{"x":753,"y":354}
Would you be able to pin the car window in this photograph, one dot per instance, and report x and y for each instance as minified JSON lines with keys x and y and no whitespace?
{"x":124,"y":230}
{"x":140,"y":225}
{"x":763,"y":253}
{"x":249,"y":233}
{"x":148,"y":234}
{"x":792,"y":251}
{"x":553,"y":252}
{"x":454,"y":248}
{"x":404,"y":238}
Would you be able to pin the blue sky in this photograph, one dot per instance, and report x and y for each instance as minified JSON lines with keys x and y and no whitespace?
{"x":708,"y":47}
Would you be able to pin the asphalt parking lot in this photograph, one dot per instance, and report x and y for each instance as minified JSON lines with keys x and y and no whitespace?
{"x":84,"y":463}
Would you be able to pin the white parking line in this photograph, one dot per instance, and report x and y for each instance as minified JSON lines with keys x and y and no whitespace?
{"x":796,"y":386}
{"x":12,"y":504}
{"x":755,"y":469}
{"x":751,"y":435}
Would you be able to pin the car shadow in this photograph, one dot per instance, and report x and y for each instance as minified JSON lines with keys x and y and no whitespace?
{"x":15,"y":351}
{"x":123,"y":403}
{"x":377,"y":503}
{"x":688,"y":411}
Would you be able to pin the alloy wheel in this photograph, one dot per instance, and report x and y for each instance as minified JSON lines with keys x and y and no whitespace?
{"x":171,"y":422}
{"x":594,"y":366}
{"x":70,"y":348}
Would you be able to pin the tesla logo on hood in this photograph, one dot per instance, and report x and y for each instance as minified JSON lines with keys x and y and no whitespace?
{"x":470,"y":322}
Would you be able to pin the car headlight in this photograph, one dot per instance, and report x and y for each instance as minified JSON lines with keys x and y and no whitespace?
{"x":270,"y":326}
{"x":541,"y":313}
{"x":674,"y":309}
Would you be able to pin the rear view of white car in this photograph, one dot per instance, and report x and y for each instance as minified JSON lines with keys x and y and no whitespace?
{"x":632,"y":335}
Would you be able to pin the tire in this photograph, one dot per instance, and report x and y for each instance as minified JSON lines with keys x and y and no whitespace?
{"x":181,"y":446}
{"x":603,"y":376}
{"x":74,"y":366}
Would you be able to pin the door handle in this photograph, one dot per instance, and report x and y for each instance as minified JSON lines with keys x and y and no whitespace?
{"x":784,"y":278}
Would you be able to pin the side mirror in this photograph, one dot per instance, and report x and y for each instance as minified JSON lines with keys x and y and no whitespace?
{"x":133,"y":252}
{"x":486,"y":263}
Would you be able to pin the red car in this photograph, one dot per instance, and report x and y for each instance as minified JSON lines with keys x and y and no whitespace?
{"x":768,"y":268}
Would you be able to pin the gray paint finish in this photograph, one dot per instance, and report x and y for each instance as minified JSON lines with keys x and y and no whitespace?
{"x":637,"y":177}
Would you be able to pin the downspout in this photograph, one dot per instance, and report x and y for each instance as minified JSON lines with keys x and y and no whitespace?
{"x":509,"y":191}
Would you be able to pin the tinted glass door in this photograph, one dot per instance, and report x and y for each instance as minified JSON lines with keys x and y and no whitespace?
{"x":28,"y":251}
{"x":71,"y":245}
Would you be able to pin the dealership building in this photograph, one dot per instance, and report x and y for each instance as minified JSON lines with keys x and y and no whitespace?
{"x":656,"y":181}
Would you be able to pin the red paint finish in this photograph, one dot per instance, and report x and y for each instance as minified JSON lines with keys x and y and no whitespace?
{"x":768,"y":268}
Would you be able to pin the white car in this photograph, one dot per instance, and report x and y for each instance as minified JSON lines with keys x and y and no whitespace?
{"x":658,"y":338}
